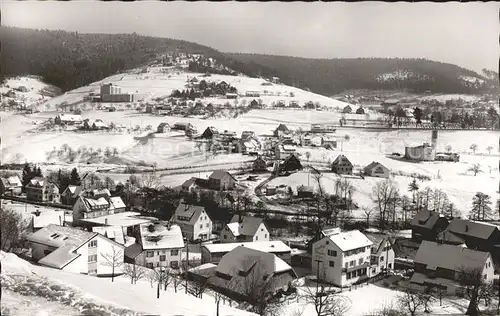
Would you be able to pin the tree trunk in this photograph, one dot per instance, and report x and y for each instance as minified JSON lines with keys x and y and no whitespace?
{"x":218,"y":302}
{"x":158,"y":291}
{"x":472,"y":309}
{"x":113,"y":272}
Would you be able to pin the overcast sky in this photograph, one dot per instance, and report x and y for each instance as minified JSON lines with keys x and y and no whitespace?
{"x":466,"y":34}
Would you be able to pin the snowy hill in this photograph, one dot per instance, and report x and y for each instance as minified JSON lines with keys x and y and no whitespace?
{"x":76,"y":294}
{"x":26,"y":92}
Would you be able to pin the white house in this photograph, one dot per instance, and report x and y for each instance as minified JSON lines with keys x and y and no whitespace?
{"x":244,"y":228}
{"x":441,"y":265}
{"x":40,"y":219}
{"x":212,"y":253}
{"x":343,"y":258}
{"x":193,"y":221}
{"x":382,"y":257}
{"x":73,"y":250}
{"x":85,"y":208}
{"x":157,"y":245}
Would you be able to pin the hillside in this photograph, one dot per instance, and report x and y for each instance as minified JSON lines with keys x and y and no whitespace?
{"x":25,"y":92}
{"x":331,"y":76}
{"x":76,"y":294}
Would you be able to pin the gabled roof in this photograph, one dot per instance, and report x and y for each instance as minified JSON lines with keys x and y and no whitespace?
{"x":220,"y":174}
{"x":243,"y":258}
{"x":282,"y":128}
{"x":57,"y":236}
{"x":37,"y":181}
{"x":115,"y":232}
{"x":100,"y":192}
{"x":73,"y":189}
{"x":374,"y":165}
{"x":265,"y":246}
{"x":350,"y":240}
{"x":133,"y":250}
{"x":450,"y":238}
{"x":341,"y":159}
{"x":162,"y":125}
{"x":116,"y":202}
{"x":426,"y":219}
{"x":91,"y":204}
{"x":248,"y":226}
{"x":193,"y":212}
{"x":12,"y":181}
{"x":189,"y":182}
{"x":70,"y":117}
{"x":162,"y":237}
{"x":470,"y":228}
{"x":451,"y":257}
{"x":259,"y":159}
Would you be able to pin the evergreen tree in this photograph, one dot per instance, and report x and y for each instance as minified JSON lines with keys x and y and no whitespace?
{"x":27,"y":174}
{"x":75,"y":177}
{"x":413,"y":187}
{"x":37,"y":172}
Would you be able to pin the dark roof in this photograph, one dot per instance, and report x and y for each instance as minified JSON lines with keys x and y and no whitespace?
{"x":133,"y":251}
{"x":405,"y":248}
{"x":220,"y":174}
{"x":425,"y":219}
{"x":472,"y":229}
{"x":375,"y":164}
{"x":340,"y":159}
{"x":282,"y":127}
{"x":450,"y":238}
{"x":249,"y":224}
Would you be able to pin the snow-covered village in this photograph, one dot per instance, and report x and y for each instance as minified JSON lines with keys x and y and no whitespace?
{"x":145,"y":175}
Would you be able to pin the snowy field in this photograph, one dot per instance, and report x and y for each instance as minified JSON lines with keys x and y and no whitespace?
{"x":109,"y":298}
{"x":36,"y":92}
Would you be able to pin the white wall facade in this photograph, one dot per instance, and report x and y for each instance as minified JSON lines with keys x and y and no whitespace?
{"x":262,"y":233}
{"x":154,"y":258}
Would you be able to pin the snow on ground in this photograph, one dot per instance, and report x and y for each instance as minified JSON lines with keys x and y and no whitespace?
{"x":17,"y":304}
{"x":36,"y":90}
{"x":110,"y":296}
{"x":445,"y":97}
{"x":27,"y":210}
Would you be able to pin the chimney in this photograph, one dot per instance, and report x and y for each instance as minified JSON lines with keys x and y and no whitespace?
{"x":106,"y":221}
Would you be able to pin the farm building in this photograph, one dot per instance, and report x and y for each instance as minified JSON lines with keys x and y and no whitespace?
{"x":304,"y":191}
{"x":221,"y":180}
{"x":342,"y":165}
{"x":376,"y":169}
{"x":10,"y":186}
{"x":252,"y":94}
{"x":347,"y":109}
{"x":68,"y":119}
{"x":291,"y":163}
{"x":231,"y":95}
{"x":423,"y":152}
{"x":180,"y":126}
{"x":281,"y":130}
{"x":212,"y":253}
{"x":163,"y":128}
{"x":259,"y":165}
{"x":426,"y":225}
{"x":209,"y":133}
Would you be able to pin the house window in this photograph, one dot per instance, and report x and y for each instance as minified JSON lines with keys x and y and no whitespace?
{"x":256,"y":238}
{"x":332,"y":263}
{"x":265,"y":235}
{"x":348,"y":276}
{"x":262,"y":229}
{"x":332,"y":253}
{"x":201,"y":226}
{"x":374,"y":271}
{"x":174,"y":252}
{"x":174,"y":264}
{"x":347,"y":265}
{"x":207,"y":225}
{"x":485,"y":276}
{"x":163,"y":258}
{"x":225,"y":236}
{"x":150,"y":265}
{"x":360,"y":261}
{"x":390,"y":265}
{"x":92,"y":258}
{"x":93,"y":271}
{"x":381,"y":258}
{"x":351,"y":264}
{"x":150,"y":254}
{"x":93,"y":243}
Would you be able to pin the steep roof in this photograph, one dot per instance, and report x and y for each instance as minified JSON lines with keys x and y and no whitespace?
{"x":451,"y":257}
{"x":193,"y":212}
{"x":471,"y":228}
{"x":220,"y":174}
{"x":12,"y":181}
{"x":450,"y":238}
{"x":282,"y":128}
{"x":265,"y":246}
{"x":248,"y":226}
{"x":162,"y":237}
{"x":374,"y":165}
{"x":341,"y":159}
{"x":243,"y":258}
{"x":350,"y":240}
{"x":189,"y":182}
{"x":73,"y":189}
{"x":116,"y":202}
{"x":133,"y":250}
{"x":93,"y":203}
{"x":425,"y":219}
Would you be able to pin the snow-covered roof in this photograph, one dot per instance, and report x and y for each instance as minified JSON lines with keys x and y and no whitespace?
{"x":124,"y":219}
{"x":70,"y":117}
{"x":48,"y":217}
{"x":60,"y":257}
{"x":470,"y":228}
{"x":73,"y":189}
{"x":242,"y":258}
{"x":116,"y":202}
{"x":350,"y":240}
{"x":100,"y":192}
{"x":93,"y":203}
{"x":192,"y":212}
{"x":265,"y":246}
{"x":12,"y":181}
{"x":58,"y":236}
{"x":111,"y":232}
{"x":247,"y":227}
{"x":434,"y":255}
{"x":161,"y":236}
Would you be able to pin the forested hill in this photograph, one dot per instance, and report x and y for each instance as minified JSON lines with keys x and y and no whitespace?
{"x":70,"y":60}
{"x":331,"y":76}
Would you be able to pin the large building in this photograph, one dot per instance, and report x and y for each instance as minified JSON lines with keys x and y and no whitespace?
{"x":41,"y":190}
{"x":212,"y":253}
{"x":424,"y":152}
{"x":73,"y":250}
{"x":113,"y":93}
{"x":193,"y":221}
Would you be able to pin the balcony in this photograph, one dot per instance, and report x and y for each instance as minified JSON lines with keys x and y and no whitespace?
{"x":360,"y":266}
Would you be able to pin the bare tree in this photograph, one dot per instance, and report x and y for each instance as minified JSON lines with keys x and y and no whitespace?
{"x":135,"y":272}
{"x":473,"y":147}
{"x":13,"y":227}
{"x":113,"y":260}
{"x":383,"y":195}
{"x":326,"y":302}
{"x":368,"y":212}
{"x":410,"y":302}
{"x":476,"y":288}
{"x":475,"y":168}
{"x":150,"y":180}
